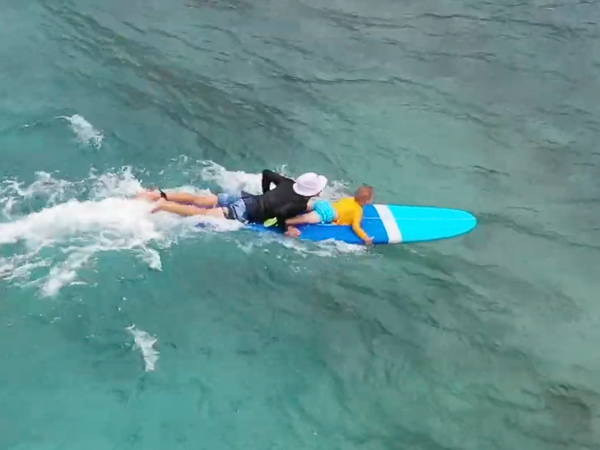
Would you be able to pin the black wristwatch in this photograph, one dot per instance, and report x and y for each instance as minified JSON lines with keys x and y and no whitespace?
{"x":163,"y":195}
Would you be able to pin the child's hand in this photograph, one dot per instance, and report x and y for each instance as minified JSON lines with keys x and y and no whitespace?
{"x":369,"y":241}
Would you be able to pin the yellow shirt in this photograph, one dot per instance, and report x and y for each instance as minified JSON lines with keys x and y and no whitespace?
{"x":349,"y":212}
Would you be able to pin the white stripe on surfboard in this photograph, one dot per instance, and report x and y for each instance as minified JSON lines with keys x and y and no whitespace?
{"x":389,"y":222}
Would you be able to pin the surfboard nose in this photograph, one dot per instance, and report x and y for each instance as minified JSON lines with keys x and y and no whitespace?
{"x":470,"y":221}
{"x":418,"y":223}
{"x":459,"y":222}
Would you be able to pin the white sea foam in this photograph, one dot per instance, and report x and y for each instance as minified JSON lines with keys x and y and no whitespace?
{"x":145,"y":342}
{"x":152,"y":258}
{"x":65,"y":273}
{"x":115,"y":184}
{"x":80,"y":230}
{"x":13,"y":193}
{"x":84,"y":131}
{"x":328,"y":248}
{"x":45,"y":184}
{"x":77,"y":229}
{"x":118,"y":216}
{"x":232,"y":181}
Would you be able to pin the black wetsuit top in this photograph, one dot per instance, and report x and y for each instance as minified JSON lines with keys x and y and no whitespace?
{"x":281,"y":202}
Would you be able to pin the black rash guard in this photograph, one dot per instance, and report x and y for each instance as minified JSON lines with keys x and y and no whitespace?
{"x":281,"y":202}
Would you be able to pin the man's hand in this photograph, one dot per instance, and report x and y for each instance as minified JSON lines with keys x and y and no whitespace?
{"x":369,"y":241}
{"x":292,"y":232}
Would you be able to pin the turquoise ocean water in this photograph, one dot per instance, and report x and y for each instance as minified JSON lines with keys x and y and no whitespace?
{"x":125,"y":330}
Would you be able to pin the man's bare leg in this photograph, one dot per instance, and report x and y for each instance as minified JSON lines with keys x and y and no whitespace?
{"x":205,"y":201}
{"x":188,"y":210}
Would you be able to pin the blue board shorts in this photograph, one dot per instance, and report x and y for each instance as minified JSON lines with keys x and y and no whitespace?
{"x":325,"y":211}
{"x":235,"y":205}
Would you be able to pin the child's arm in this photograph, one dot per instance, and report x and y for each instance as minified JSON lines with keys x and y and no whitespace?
{"x":358,"y":229}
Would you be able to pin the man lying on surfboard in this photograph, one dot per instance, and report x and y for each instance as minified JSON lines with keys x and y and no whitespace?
{"x":288,"y":199}
{"x":346,"y":211}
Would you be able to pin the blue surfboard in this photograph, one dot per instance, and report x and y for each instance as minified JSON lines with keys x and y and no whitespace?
{"x":392,"y":224}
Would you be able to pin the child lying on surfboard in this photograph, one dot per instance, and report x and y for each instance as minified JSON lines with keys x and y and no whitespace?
{"x":346,"y":211}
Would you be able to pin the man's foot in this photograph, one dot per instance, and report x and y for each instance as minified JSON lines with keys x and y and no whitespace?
{"x":149,"y":196}
{"x":159,"y":204}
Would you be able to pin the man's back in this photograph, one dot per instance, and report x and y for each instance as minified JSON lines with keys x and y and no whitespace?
{"x":282,"y":202}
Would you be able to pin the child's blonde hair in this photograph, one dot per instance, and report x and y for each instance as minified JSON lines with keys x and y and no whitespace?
{"x":364,"y":194}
